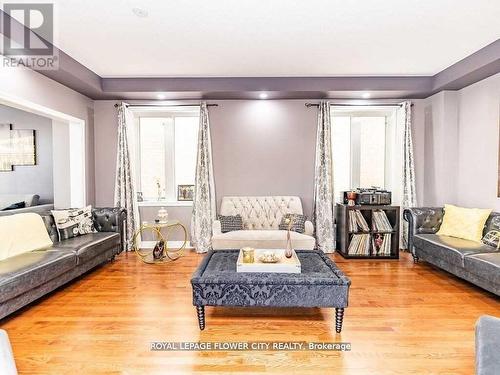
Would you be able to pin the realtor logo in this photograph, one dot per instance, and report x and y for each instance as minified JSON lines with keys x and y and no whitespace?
{"x":28,"y":33}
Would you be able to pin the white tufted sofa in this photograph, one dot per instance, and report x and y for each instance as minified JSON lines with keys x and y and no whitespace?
{"x":261,"y":218}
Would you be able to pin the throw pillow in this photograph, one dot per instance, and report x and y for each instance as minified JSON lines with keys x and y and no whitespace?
{"x":297,"y":224}
{"x":73,"y":222}
{"x":492,"y":237}
{"x":466,"y":223}
{"x":15,"y":206}
{"x":230,"y":223}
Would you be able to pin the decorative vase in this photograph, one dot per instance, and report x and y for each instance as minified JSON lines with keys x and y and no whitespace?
{"x":351,"y":198}
{"x":288,"y":249}
{"x":162,"y":215}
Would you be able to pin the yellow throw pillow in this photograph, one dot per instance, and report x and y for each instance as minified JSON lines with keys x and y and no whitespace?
{"x":466,"y":223}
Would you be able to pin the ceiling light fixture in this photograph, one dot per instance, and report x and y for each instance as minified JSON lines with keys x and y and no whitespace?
{"x":161,"y":96}
{"x":140,"y":12}
{"x":263,"y":95}
{"x":366,"y":95}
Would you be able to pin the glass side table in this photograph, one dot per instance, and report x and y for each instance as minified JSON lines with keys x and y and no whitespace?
{"x":161,"y":232}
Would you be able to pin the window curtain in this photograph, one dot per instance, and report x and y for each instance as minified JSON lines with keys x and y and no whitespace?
{"x":125,"y":188}
{"x":204,"y":209}
{"x":407,"y":188}
{"x":323,"y":182}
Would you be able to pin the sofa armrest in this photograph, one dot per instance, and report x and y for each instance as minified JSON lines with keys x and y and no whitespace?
{"x":216,"y":227}
{"x":422,"y":220}
{"x":308,"y":228}
{"x":487,"y":344}
{"x":110,"y":219}
{"x":7,"y":364}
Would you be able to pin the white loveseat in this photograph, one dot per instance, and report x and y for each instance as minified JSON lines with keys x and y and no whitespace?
{"x":261,"y":217}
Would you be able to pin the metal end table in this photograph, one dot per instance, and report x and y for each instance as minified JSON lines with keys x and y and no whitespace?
{"x":169,"y":254}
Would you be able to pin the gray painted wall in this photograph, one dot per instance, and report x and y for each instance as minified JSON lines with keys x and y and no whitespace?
{"x":37,"y":179}
{"x":260,"y":147}
{"x":35,"y":88}
{"x":459,"y":159}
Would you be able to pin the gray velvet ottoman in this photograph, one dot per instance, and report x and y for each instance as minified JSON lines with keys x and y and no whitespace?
{"x":321,"y":284}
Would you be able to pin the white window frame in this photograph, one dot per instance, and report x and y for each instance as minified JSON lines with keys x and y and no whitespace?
{"x":390,"y":131}
{"x":167,"y":113}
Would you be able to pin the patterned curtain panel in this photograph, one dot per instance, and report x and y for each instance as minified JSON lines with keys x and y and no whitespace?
{"x":125,"y":188}
{"x":408,"y":190}
{"x":323,"y":183}
{"x":204,"y":209}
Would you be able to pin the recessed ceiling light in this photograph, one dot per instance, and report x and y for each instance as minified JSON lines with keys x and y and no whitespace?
{"x":140,"y":12}
{"x":366,"y":95}
{"x":263,"y":95}
{"x":161,"y":96}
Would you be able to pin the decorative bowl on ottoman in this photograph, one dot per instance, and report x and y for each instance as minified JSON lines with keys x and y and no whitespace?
{"x":269,"y":260}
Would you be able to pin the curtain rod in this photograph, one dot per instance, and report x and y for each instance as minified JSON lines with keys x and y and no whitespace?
{"x":358,"y":105}
{"x":166,"y":105}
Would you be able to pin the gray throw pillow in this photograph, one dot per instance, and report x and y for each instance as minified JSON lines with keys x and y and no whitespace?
{"x":492,"y":237}
{"x":230,"y":223}
{"x":73,"y":222}
{"x":297,"y":224}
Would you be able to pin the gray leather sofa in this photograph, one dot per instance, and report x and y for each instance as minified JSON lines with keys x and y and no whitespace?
{"x":487,"y":345}
{"x":28,"y":276}
{"x":475,"y":262}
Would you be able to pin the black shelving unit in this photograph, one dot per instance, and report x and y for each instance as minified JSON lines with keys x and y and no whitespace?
{"x":344,"y":236}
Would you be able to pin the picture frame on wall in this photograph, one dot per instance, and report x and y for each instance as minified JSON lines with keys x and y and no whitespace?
{"x":23,"y":147}
{"x":5,"y":148}
{"x":185,"y":192}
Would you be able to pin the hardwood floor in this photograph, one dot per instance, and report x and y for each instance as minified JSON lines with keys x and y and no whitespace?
{"x":402,"y":319}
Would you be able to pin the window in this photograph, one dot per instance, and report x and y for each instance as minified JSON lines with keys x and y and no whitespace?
{"x":166,"y":151}
{"x":360,"y":148}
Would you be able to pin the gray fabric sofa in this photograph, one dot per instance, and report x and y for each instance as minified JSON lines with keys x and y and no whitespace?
{"x":28,"y":276}
{"x":475,"y":262}
{"x":487,"y":345}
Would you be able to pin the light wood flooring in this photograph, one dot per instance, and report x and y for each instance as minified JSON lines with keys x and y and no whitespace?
{"x":402,"y":319}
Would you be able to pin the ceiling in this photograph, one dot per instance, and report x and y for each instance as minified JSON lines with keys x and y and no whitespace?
{"x":281,"y":38}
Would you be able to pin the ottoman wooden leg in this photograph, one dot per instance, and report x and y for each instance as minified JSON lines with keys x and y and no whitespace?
{"x":339,"y":317}
{"x":200,"y":310}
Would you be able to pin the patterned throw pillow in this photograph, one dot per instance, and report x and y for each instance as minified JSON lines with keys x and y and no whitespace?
{"x":73,"y":222}
{"x":492,"y":237}
{"x":230,"y":223}
{"x":298,"y":222}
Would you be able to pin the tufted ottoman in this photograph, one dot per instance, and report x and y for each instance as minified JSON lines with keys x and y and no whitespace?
{"x":321,"y":284}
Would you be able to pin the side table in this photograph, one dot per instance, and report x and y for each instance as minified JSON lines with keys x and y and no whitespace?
{"x":161,"y":231}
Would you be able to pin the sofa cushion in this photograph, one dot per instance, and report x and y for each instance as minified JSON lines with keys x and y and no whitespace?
{"x":90,"y":245}
{"x":450,"y":249}
{"x":295,"y":221}
{"x":465,"y":223}
{"x":74,"y":222}
{"x":492,"y":230}
{"x":26,"y":271}
{"x":486,"y":265}
{"x":261,"y":239}
{"x":229,"y":223}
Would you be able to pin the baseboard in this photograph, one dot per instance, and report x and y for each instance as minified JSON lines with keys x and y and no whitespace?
{"x":171,"y":244}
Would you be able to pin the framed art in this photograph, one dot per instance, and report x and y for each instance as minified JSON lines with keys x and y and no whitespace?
{"x":17,"y":147}
{"x":23,"y":147}
{"x":185,"y":192}
{"x":5,"y":148}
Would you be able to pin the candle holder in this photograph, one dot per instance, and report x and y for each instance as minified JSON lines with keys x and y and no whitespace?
{"x":248,"y":254}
